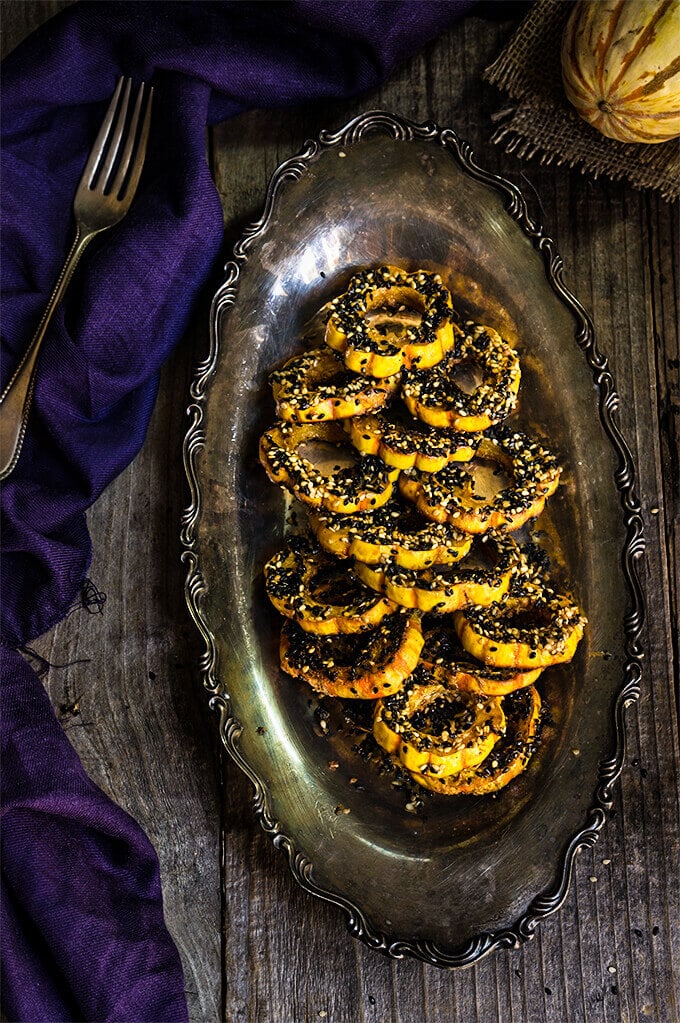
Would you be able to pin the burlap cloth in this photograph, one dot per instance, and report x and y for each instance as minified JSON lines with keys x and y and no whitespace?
{"x":543,"y":124}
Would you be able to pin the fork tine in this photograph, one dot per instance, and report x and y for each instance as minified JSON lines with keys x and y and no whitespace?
{"x":138,"y":163}
{"x":100,"y":141}
{"x":129,"y":144}
{"x":115,"y":140}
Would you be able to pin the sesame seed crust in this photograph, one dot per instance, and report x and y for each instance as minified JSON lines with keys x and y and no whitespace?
{"x":316,"y":386}
{"x":363,"y":486}
{"x":449,"y":495}
{"x":418,"y":600}
{"x":435,"y":728}
{"x":405,"y":442}
{"x":480,"y":578}
{"x":305,"y":584}
{"x":364,"y":666}
{"x":369,"y":351}
{"x":442,"y":647}
{"x":434,"y":396}
{"x":508,"y":758}
{"x":393,"y":533}
{"x":533,"y":626}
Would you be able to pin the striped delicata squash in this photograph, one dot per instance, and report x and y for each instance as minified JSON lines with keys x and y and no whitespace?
{"x":621,"y":67}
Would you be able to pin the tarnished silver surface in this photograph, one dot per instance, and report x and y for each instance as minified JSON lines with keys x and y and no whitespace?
{"x":472,"y":874}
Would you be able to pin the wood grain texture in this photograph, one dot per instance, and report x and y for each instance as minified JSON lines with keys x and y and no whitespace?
{"x":255,"y":948}
{"x":20,"y":17}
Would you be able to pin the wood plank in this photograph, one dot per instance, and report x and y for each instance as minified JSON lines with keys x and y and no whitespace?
{"x":20,"y":17}
{"x":261,"y":951}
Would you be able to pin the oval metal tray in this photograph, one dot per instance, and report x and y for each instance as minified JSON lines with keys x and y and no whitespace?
{"x":468,"y":875}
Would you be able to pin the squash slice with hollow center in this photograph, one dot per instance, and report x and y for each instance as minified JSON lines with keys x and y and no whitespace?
{"x":508,"y":758}
{"x":482,"y":577}
{"x":364,"y":666}
{"x":394,"y":533}
{"x":388,"y":319}
{"x":303,"y":583}
{"x":434,"y":728}
{"x":530,"y":631}
{"x":316,"y":386}
{"x":450,"y":495}
{"x":435,"y":395}
{"x":443,"y":648}
{"x":364,"y":483}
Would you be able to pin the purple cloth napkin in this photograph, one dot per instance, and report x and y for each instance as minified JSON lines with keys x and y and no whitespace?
{"x":82,"y":926}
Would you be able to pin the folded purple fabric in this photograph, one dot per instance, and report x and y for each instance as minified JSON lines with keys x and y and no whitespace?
{"x":98,"y":870}
{"x":83,"y":930}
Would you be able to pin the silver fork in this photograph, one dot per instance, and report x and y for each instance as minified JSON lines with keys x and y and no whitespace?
{"x":103,"y":197}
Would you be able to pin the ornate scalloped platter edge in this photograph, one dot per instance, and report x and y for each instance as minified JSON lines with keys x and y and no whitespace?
{"x":549,"y":901}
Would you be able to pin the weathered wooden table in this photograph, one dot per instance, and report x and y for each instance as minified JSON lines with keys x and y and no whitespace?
{"x":254,"y":947}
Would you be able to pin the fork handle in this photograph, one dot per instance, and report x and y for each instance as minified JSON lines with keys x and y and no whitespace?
{"x":15,"y":401}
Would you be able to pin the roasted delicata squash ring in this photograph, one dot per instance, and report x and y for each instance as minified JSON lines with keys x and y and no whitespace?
{"x":449,"y":495}
{"x":480,"y":578}
{"x":394,"y":533}
{"x":523,"y":631}
{"x":405,"y":442}
{"x":303,"y":583}
{"x":389,"y":319}
{"x":443,"y":648}
{"x":317,"y":386}
{"x":359,"y":487}
{"x":434,"y":728}
{"x":434,"y":396}
{"x":364,"y":666}
{"x":508,"y":758}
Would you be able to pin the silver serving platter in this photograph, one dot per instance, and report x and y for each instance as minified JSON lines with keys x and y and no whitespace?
{"x":469,"y":874}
